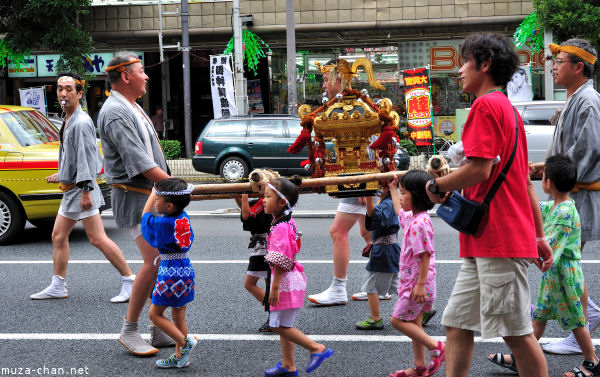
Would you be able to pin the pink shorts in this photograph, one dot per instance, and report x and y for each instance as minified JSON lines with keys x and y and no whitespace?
{"x":407,"y":309}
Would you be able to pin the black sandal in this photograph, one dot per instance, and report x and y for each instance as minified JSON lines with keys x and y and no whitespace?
{"x":589,"y":366}
{"x":498,"y":359}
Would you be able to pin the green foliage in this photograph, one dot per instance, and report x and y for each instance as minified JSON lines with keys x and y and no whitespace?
{"x":171,"y":148}
{"x":409,"y":146}
{"x":45,"y":24}
{"x":570,"y":19}
{"x":252,"y":47}
{"x":530,"y":33}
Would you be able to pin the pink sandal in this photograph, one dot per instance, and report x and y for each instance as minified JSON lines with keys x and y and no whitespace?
{"x":420,"y":372}
{"x":438,"y":355}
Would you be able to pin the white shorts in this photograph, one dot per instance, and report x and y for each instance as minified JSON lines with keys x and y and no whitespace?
{"x":258,"y":274}
{"x":357,"y":209}
{"x":78,"y":215}
{"x":283,"y":318}
{"x":134,"y":231}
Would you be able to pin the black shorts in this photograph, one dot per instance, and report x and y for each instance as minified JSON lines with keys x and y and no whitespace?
{"x":257,"y":263}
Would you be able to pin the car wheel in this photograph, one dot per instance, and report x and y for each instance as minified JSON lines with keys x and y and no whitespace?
{"x":233,"y":168}
{"x":12,"y":221}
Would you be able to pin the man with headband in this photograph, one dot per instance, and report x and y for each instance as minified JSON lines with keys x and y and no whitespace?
{"x":79,"y":162}
{"x":134,"y":161}
{"x":577,"y":135}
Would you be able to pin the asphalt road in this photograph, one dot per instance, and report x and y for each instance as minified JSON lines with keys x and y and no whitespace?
{"x":81,"y":331}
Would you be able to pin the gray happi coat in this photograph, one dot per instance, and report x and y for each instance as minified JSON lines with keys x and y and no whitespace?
{"x":79,"y":160}
{"x":130,"y":148}
{"x":577,"y":134}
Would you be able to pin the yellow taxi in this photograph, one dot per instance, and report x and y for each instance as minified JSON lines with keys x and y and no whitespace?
{"x":28,"y":154}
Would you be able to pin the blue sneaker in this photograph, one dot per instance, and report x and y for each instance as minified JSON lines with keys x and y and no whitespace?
{"x":279,"y":371}
{"x":185,"y":352}
{"x":317,"y":358}
{"x":169,"y":362}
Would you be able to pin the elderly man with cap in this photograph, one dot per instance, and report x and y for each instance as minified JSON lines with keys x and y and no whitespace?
{"x":134,"y":161}
{"x":79,"y":162}
{"x":577,"y":134}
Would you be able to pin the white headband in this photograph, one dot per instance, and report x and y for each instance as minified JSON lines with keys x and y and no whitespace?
{"x":289,"y":209}
{"x":187,"y":191}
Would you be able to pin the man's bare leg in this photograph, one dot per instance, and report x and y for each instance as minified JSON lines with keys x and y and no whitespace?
{"x":97,"y":236}
{"x":60,"y":255}
{"x":130,"y":336}
{"x":459,"y":351}
{"x":528,"y":355}
{"x":336,"y":293}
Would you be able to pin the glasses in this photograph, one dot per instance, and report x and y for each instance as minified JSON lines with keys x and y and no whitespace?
{"x":559,"y":61}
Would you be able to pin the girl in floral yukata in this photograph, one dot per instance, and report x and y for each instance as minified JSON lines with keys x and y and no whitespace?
{"x":288,"y":281}
{"x":416,"y":287}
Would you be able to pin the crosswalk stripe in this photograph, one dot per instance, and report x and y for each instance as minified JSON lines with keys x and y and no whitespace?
{"x":235,"y":261}
{"x":249,"y":337}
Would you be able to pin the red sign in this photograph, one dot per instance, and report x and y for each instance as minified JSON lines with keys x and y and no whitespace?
{"x":418,"y":105}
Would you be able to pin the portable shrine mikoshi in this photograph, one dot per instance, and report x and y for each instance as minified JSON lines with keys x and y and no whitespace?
{"x":350,"y":121}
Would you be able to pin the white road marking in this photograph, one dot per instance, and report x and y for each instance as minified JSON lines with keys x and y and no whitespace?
{"x":249,"y":337}
{"x":236,"y":261}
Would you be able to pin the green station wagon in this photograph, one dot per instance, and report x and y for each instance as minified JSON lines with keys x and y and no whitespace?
{"x":233,"y":147}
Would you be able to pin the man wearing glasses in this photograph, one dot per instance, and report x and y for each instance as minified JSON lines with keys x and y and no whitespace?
{"x":577,"y":134}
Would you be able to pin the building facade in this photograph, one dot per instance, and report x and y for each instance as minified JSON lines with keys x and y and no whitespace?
{"x":394,"y":34}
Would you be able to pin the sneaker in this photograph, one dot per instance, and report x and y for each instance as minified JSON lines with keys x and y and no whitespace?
{"x":159,"y":338}
{"x":56,"y":290}
{"x":362,"y":296}
{"x":265,"y":327}
{"x":123,"y":296}
{"x":427,"y":317}
{"x":370,"y":324}
{"x":330,"y":296}
{"x":170,"y":362}
{"x":190,"y":344}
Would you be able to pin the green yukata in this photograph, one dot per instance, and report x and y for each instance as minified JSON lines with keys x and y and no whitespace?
{"x":562,"y":285}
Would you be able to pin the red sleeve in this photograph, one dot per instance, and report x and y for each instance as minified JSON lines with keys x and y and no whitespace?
{"x":482,"y":134}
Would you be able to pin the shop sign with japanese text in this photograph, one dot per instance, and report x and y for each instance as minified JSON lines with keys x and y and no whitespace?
{"x":418,"y":105}
{"x":221,"y":82}
{"x":45,"y":65}
{"x":26,"y":69}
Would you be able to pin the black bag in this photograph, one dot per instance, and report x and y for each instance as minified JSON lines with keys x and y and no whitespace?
{"x":462,"y":214}
{"x":465,"y":215}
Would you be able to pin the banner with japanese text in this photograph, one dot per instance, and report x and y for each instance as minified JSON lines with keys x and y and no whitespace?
{"x":221,"y":82}
{"x":34,"y":97}
{"x":417,"y":94}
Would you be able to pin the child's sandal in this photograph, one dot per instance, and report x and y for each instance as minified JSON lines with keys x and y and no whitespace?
{"x":588,"y":366}
{"x":420,"y":372}
{"x":438,"y":355}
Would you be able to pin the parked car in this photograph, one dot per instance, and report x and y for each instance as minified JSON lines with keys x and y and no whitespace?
{"x":536,"y":119}
{"x":233,"y":147}
{"x":28,"y":154}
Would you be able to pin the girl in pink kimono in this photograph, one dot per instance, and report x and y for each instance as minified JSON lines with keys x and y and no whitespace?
{"x":416,"y":287}
{"x":288,"y":281}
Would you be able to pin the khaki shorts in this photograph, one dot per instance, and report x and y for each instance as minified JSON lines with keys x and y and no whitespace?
{"x":491,"y":295}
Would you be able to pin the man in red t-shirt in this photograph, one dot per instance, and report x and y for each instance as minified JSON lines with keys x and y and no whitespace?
{"x":491,"y":293}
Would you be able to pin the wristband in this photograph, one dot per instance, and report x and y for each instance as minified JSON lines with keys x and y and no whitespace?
{"x":541,"y":239}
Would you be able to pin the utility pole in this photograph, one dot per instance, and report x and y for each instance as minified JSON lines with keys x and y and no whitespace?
{"x":290,"y":34}
{"x":163,"y":69}
{"x":548,"y":79}
{"x":241,"y":93}
{"x":187,"y":105}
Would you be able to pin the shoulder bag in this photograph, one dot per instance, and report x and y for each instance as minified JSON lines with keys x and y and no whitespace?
{"x":465,"y":215}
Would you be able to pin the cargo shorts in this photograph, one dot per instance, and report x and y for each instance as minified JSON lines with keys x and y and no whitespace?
{"x":491,"y":295}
